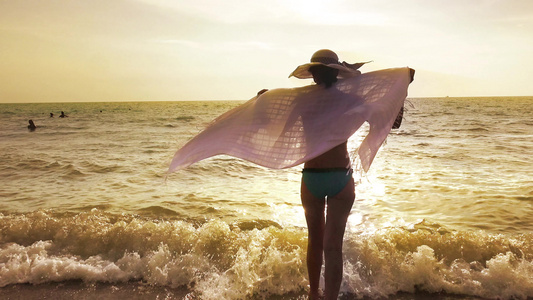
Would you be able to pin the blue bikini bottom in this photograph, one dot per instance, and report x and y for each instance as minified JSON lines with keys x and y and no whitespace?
{"x":326,"y":182}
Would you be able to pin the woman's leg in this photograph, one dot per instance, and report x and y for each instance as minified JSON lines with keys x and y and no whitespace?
{"x":314,"y":215}
{"x":338,"y":210}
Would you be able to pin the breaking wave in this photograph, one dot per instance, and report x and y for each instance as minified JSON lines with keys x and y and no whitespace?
{"x":219,"y":260}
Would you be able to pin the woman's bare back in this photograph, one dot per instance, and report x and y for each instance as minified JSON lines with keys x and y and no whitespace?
{"x":336,"y":157}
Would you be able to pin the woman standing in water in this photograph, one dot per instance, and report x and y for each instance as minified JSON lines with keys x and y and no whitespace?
{"x":328,"y":176}
{"x":327,"y":187}
{"x":283,"y":128}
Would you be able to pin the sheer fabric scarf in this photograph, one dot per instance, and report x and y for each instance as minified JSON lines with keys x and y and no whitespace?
{"x":283,"y":128}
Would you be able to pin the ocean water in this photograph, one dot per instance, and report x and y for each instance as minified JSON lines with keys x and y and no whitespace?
{"x":87,"y":208}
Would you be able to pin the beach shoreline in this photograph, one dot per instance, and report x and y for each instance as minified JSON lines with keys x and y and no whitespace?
{"x":76,"y":289}
{"x":135,"y":290}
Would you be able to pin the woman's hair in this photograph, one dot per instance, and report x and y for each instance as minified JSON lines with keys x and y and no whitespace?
{"x":324,"y":75}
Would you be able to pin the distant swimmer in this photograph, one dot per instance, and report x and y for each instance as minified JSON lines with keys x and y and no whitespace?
{"x":51,"y":115}
{"x":32,"y":126}
{"x":63,"y":115}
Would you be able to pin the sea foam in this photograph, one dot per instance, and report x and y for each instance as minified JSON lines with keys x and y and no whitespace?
{"x":215,"y":259}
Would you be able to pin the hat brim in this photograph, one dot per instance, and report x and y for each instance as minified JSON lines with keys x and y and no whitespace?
{"x":345,"y":70}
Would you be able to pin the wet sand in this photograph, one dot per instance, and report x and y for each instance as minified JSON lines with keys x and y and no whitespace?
{"x":75,"y":290}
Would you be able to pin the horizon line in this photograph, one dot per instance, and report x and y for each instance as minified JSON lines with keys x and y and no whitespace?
{"x":220,"y":100}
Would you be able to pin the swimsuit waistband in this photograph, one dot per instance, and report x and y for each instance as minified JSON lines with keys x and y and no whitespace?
{"x":325,"y":170}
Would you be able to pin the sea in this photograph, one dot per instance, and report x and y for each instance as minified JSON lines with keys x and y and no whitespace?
{"x":89,"y":211}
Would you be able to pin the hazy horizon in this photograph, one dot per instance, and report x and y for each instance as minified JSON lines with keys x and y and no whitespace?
{"x":224,"y":100}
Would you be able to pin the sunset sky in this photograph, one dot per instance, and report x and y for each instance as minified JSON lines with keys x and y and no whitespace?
{"x":163,"y":50}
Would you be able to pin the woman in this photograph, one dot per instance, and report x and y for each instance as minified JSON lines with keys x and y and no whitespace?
{"x":327,"y":186}
{"x":283,"y":128}
{"x":327,"y":177}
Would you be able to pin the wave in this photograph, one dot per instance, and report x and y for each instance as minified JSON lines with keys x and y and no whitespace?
{"x":429,"y":258}
{"x":185,"y":118}
{"x":63,"y":168}
{"x":219,"y":260}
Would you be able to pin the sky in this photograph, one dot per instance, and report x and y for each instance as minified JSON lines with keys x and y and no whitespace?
{"x":164,"y":50}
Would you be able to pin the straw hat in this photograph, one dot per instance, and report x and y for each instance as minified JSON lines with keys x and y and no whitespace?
{"x":330,"y":59}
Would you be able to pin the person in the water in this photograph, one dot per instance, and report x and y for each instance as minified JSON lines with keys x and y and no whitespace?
{"x":328,"y":190}
{"x":31,"y":126}
{"x":63,"y":115}
{"x":327,"y":187}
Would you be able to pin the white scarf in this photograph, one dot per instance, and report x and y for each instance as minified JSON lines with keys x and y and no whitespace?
{"x":283,"y":128}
